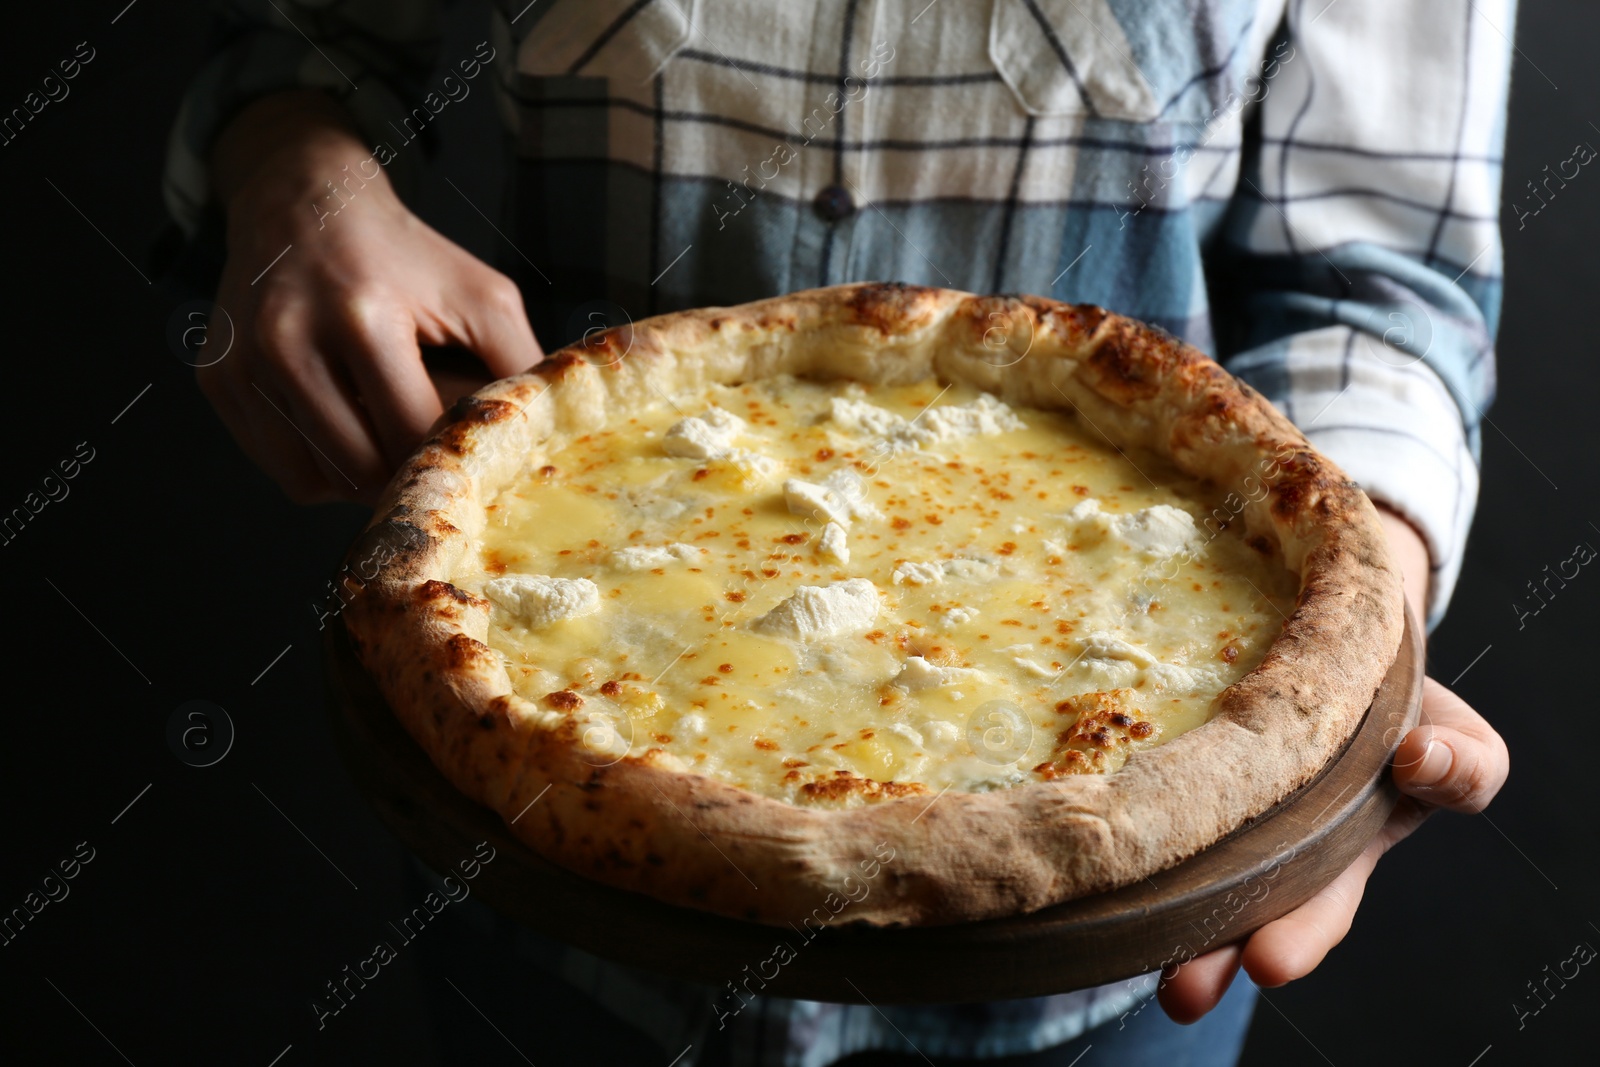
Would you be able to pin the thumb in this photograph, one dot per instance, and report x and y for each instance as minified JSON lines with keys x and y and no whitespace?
{"x":1454,"y":759}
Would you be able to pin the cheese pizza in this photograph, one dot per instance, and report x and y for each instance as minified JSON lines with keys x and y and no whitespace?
{"x":1029,"y":597}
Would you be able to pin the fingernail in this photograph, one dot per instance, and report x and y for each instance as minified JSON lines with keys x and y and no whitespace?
{"x":1435,"y":764}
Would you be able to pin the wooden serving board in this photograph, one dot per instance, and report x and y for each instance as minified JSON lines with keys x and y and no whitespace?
{"x":1259,"y":873}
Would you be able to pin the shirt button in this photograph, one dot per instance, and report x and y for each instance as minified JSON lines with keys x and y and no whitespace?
{"x":833,"y":203}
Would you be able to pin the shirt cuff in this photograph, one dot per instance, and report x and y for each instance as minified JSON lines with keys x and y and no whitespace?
{"x":1390,"y":422}
{"x":265,"y":61}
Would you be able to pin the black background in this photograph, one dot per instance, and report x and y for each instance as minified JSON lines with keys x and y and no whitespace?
{"x":174,"y":571}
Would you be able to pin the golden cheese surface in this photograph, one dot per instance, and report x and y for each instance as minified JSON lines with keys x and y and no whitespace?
{"x":831,"y":593}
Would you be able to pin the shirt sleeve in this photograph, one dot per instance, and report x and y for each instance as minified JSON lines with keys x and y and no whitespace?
{"x":374,"y":56}
{"x":1358,"y":276}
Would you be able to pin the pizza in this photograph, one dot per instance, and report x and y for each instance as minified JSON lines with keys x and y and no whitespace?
{"x":980,"y":603}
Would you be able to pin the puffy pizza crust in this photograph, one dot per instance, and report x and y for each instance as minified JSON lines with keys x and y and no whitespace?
{"x":699,"y":842}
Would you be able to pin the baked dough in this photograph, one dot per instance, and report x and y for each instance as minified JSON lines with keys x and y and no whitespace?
{"x":642,"y":818}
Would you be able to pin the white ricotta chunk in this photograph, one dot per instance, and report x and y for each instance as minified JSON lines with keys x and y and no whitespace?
{"x":647,"y":557}
{"x":858,"y":416}
{"x":840,"y":498}
{"x":849,"y":487}
{"x":1178,"y":679}
{"x":1104,"y":645}
{"x":1160,"y":531}
{"x":982,"y":416}
{"x":540,"y":600}
{"x":900,"y":729}
{"x":1085,"y":512}
{"x":918,"y":674}
{"x":833,"y":543}
{"x":932,"y":572}
{"x":814,"y":612}
{"x":753,"y":465}
{"x":958,"y":615}
{"x":707,"y":436}
{"x":808,"y":498}
{"x":913,"y":573}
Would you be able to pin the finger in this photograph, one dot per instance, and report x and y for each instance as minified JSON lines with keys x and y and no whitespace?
{"x":1192,"y":989}
{"x":227,"y":386}
{"x":381,"y":353}
{"x":280,"y":451}
{"x":215,"y":388}
{"x":321,"y":404}
{"x":274,"y":352}
{"x":1291,"y":947}
{"x":284,"y":371}
{"x":1454,"y":759}
{"x":224,"y":384}
{"x":491,"y":322}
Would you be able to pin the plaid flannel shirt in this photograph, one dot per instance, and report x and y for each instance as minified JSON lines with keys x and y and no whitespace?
{"x":1306,"y":189}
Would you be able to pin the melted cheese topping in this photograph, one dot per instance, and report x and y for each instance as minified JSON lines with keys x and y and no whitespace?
{"x":831,"y":594}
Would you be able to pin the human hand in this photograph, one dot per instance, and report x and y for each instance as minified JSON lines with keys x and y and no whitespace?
{"x":325,"y":387}
{"x":1453,"y":759}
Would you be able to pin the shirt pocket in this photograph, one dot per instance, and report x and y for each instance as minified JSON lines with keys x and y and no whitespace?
{"x":621,"y":40}
{"x":1135,"y":61}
